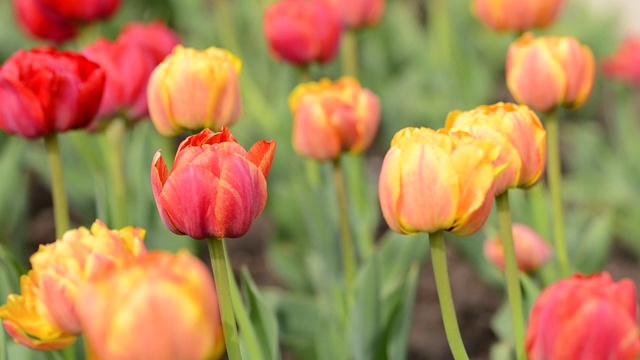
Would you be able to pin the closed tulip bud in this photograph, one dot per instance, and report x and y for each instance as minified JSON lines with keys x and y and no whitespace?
{"x":520,"y":134}
{"x":517,"y":15}
{"x":585,"y":317}
{"x":193,"y":89}
{"x":623,"y":65}
{"x":42,"y":23}
{"x":356,"y":14}
{"x":431,"y":180}
{"x":302,"y":32}
{"x":45,"y":91}
{"x":546,"y":72}
{"x":532,"y":251}
{"x":215,"y":188}
{"x":46,"y":312}
{"x":161,"y":306}
{"x":332,"y":117}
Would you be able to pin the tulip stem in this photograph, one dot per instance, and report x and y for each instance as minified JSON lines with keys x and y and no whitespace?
{"x":60,"y":207}
{"x":441,"y":273}
{"x":348,"y":257}
{"x":219,"y":261}
{"x":350,"y":53}
{"x":68,"y":353}
{"x":511,"y":272}
{"x":554,"y":177}
{"x":115,"y":134}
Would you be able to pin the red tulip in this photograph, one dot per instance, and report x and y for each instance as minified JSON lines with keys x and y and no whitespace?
{"x":585,"y":317}
{"x":42,"y":23}
{"x":301,"y":31}
{"x":215,"y":188}
{"x":45,"y":90}
{"x":156,"y":36}
{"x":623,"y":64}
{"x":82,"y":10}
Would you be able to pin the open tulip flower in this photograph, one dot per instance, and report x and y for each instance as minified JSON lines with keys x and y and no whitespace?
{"x":216,"y":188}
{"x":521,"y":137}
{"x":546,"y":72}
{"x":45,"y":90}
{"x":432,"y":180}
{"x":333,"y":116}
{"x":517,"y":15}
{"x":585,"y":317}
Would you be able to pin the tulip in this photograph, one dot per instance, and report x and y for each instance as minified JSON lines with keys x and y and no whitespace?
{"x":521,"y":137}
{"x":46,"y":91}
{"x":81,"y":11}
{"x":215,"y":188}
{"x":194,"y":89}
{"x":42,"y":23}
{"x":302,"y":32}
{"x":623,"y":64}
{"x":162,"y":306}
{"x":585,"y":317}
{"x":431,"y":181}
{"x":546,"y":72}
{"x":356,"y":14}
{"x":516,"y":15}
{"x":532,"y":251}
{"x":156,"y":36}
{"x":331,"y":117}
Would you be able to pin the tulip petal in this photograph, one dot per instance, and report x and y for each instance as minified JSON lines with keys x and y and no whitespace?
{"x":236,"y":202}
{"x":325,"y":142}
{"x":21,"y":112}
{"x":261,"y":155}
{"x":159,"y":175}
{"x":389,"y":187}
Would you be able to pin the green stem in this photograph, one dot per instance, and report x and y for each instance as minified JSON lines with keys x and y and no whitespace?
{"x":305,"y":73}
{"x":349,"y":53}
{"x":115,"y":133}
{"x":68,"y":353}
{"x":554,"y":177}
{"x":60,"y":207}
{"x":511,"y":272}
{"x":348,"y":258}
{"x":441,"y":273}
{"x":223,"y":13}
{"x":219,"y":261}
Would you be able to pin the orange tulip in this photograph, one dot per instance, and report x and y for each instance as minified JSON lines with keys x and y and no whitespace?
{"x":431,"y":180}
{"x":194,"y":89}
{"x":520,"y":134}
{"x":516,"y":15}
{"x":216,"y":188}
{"x":585,"y":317}
{"x":331,"y":117}
{"x":546,"y":72}
{"x":532,"y":251}
{"x":162,"y":306}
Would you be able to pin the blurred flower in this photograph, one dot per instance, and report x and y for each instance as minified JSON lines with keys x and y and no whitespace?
{"x":162,"y":306}
{"x":46,"y":312}
{"x":625,"y":63}
{"x":516,"y":15}
{"x":331,"y":117}
{"x":532,"y":251}
{"x":82,"y":11}
{"x":432,"y":180}
{"x":546,"y":72}
{"x":358,"y":13}
{"x":193,"y":89}
{"x":215,"y":188}
{"x":128,"y":63}
{"x":520,"y":134}
{"x":45,"y":90}
{"x":585,"y":317}
{"x":302,"y":32}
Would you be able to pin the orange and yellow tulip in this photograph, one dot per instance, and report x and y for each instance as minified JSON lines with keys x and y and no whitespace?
{"x":517,"y":15}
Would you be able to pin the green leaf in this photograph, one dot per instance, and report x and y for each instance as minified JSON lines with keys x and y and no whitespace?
{"x":399,"y":324}
{"x":262,"y":318}
{"x":366,"y":323}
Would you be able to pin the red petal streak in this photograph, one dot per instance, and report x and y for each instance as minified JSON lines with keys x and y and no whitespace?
{"x":261,"y":154}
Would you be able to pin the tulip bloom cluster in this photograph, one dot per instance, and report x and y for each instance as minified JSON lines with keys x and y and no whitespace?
{"x":585,"y":317}
{"x":532,"y":251}
{"x":128,"y":62}
{"x":623,"y":64}
{"x":517,"y":15}
{"x":46,"y":91}
{"x":332,"y":117}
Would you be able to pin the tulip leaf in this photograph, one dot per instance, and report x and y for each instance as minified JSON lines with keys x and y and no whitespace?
{"x":589,"y":239}
{"x":366,"y":323}
{"x":399,"y":324}
{"x":262,"y":318}
{"x":501,"y":351}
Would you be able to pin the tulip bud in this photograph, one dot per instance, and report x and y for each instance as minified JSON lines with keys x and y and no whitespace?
{"x":520,"y":134}
{"x":356,"y":14}
{"x":46,"y":90}
{"x":546,"y":72}
{"x":194,"y":89}
{"x":585,"y":317}
{"x":42,"y":23}
{"x":302,"y":32}
{"x":532,"y":251}
{"x":215,"y":188}
{"x":516,"y":15}
{"x":156,"y":36}
{"x":432,"y":180}
{"x":161,"y":306}
{"x":332,"y":117}
{"x":623,"y":64}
